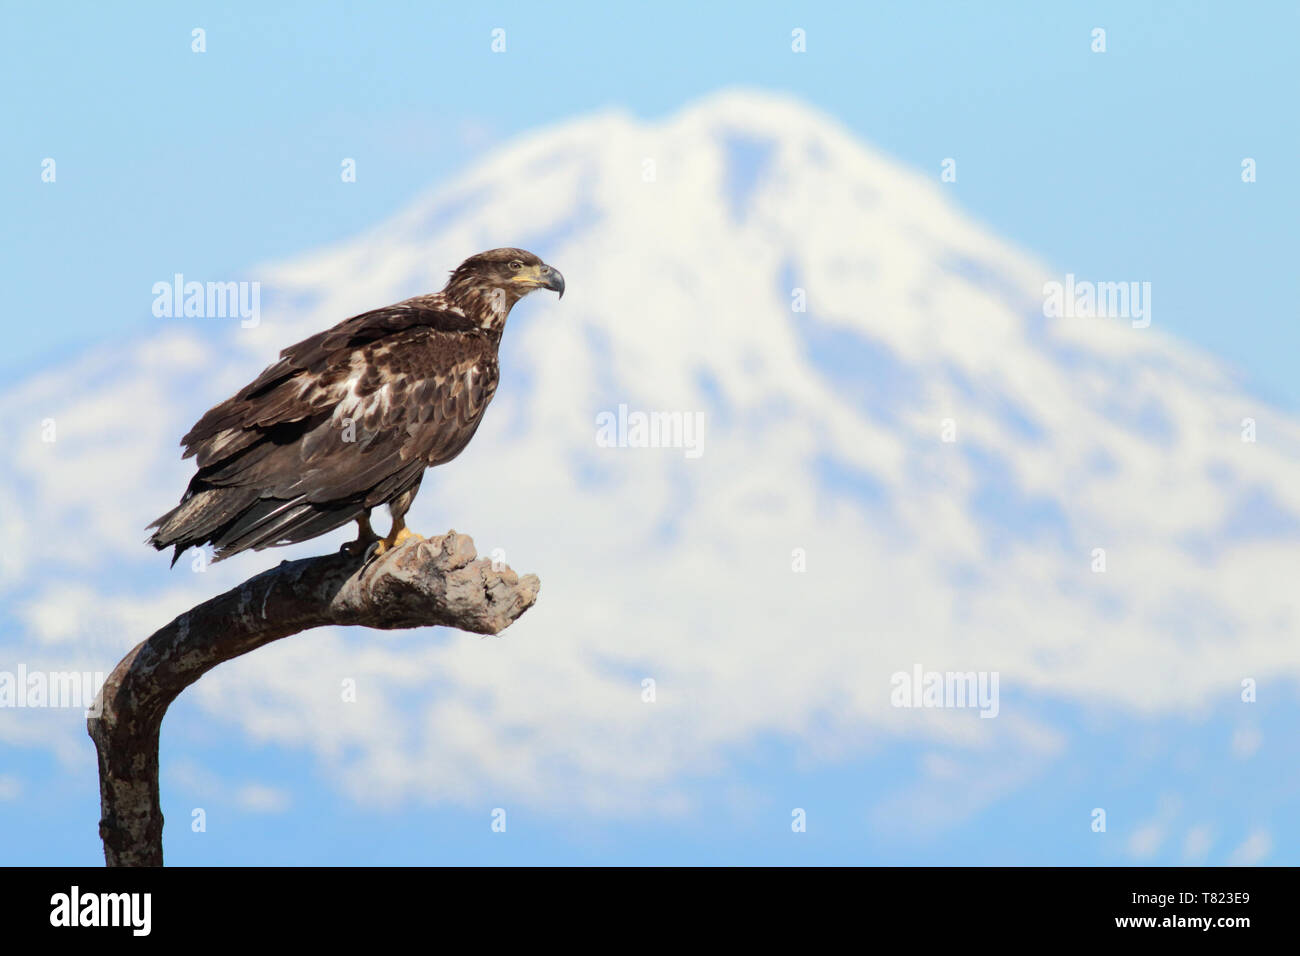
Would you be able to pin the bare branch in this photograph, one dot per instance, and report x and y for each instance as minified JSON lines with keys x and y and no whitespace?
{"x":423,"y":583}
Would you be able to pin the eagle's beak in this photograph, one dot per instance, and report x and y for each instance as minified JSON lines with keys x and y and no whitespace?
{"x":541,"y":277}
{"x":551,"y":279}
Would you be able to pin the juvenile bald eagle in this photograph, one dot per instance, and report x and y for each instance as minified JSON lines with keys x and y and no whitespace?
{"x":350,"y":418}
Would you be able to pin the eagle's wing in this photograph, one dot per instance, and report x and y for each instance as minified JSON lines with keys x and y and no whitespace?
{"x":413,"y":398}
{"x":345,"y":421}
{"x":302,"y":382}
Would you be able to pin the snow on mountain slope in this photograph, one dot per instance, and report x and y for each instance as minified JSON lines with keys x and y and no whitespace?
{"x":683,"y":244}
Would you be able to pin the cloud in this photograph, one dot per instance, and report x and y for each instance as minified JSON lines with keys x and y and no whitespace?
{"x":1197,"y":843}
{"x":1246,"y":741}
{"x":998,"y":756}
{"x":258,"y":798}
{"x":1146,"y":840}
{"x":1148,"y":837}
{"x":204,"y":785}
{"x":1255,"y":849}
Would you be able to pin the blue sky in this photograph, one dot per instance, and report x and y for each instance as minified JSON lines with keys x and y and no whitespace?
{"x":1118,"y":164}
{"x":1124,"y":165}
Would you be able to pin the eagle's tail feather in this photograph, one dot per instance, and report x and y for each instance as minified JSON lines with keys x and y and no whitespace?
{"x":252,"y":521}
{"x":236,"y":519}
{"x":197,"y":517}
{"x":271,"y":521}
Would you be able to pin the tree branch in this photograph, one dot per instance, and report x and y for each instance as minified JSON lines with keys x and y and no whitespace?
{"x":423,"y":583}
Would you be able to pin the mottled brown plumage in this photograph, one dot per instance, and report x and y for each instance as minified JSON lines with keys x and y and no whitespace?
{"x":350,"y":418}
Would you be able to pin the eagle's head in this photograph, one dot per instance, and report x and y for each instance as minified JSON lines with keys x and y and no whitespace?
{"x":495,"y":280}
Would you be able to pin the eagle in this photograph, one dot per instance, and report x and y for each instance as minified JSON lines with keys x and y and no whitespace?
{"x":349,"y":419}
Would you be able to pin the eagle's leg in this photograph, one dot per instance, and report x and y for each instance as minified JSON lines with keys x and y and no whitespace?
{"x":366,"y":536}
{"x":399,"y":532}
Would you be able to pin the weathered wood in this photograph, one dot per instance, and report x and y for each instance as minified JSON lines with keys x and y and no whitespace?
{"x":422,"y":583}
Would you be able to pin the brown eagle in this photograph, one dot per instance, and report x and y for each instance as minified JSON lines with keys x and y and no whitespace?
{"x":350,"y":418}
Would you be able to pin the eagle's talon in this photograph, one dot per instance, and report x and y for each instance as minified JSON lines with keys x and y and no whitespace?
{"x":405,"y":535}
{"x":366,"y":538}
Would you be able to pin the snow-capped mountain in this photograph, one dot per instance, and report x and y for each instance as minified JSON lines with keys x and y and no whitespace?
{"x":903,"y":462}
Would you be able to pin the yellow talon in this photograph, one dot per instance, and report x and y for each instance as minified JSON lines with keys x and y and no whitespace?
{"x":393,"y":541}
{"x":404,"y":535}
{"x":378,"y":546}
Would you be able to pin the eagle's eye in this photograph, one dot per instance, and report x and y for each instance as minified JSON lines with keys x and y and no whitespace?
{"x":515,"y":265}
